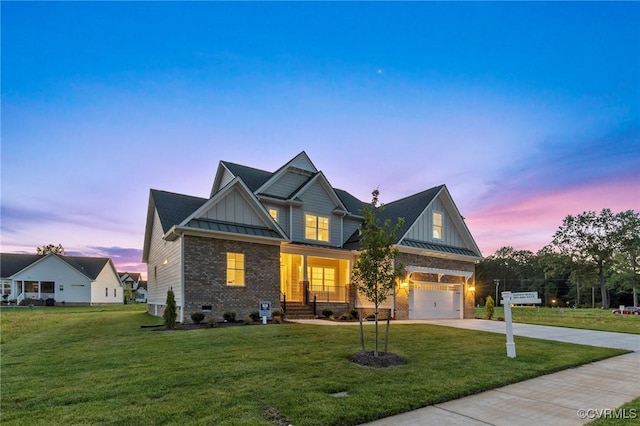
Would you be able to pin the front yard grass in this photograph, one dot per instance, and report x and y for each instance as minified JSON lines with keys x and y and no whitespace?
{"x":586,"y":318}
{"x":96,"y":365}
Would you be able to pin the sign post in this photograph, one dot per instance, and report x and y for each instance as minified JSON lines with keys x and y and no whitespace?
{"x":508,"y":298}
{"x":506,"y":302}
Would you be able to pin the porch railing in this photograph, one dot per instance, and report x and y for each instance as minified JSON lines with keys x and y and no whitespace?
{"x":337,"y":294}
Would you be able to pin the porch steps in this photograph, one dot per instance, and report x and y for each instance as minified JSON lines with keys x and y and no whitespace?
{"x":296,"y":310}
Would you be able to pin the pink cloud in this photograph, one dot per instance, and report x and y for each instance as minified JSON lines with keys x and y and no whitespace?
{"x":529,"y":224}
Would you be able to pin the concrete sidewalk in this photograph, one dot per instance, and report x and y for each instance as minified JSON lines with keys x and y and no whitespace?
{"x":569,"y":397}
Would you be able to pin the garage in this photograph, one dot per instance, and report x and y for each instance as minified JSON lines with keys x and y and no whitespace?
{"x":436,"y":293}
{"x":435,"y":300}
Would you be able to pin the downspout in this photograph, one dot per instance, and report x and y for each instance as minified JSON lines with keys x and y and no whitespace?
{"x":182,"y":300}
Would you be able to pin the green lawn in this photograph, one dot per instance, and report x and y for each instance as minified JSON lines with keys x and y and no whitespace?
{"x":95,"y":365}
{"x":592,"y":319}
{"x":627,"y":415}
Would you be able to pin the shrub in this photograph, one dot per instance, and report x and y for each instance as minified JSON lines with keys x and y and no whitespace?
{"x":354,"y":313}
{"x":277,"y":313}
{"x":255,"y":316}
{"x":500,"y":318}
{"x":212,"y":324}
{"x":327,"y":313}
{"x":488,"y":308}
{"x":229,"y":316}
{"x":197,"y":317}
{"x":170,"y":311}
{"x":345,"y":317}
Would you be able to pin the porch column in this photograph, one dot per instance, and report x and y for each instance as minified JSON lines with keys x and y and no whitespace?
{"x":305,"y":280}
{"x":39,"y":290}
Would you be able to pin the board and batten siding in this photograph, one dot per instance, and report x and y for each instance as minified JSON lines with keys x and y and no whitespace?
{"x":286,"y":184}
{"x":319,"y":203}
{"x":160,"y":274}
{"x":235,"y":209}
{"x":422,"y":229}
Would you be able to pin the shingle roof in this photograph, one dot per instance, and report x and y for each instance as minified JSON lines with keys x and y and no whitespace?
{"x":174,"y":208}
{"x":12,"y":263}
{"x":350,"y":202}
{"x":253,"y":178}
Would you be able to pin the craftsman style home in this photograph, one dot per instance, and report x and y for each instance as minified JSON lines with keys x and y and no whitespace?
{"x":72,"y":280}
{"x":290,"y":238}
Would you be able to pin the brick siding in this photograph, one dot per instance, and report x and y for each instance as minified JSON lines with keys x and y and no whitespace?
{"x":205,"y":276}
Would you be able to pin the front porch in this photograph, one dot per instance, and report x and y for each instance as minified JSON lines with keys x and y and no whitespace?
{"x":310,"y":281}
{"x":20,"y":291}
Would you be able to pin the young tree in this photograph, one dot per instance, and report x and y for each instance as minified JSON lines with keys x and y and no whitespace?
{"x":170,"y":311}
{"x":375,"y":272}
{"x":50,"y":248}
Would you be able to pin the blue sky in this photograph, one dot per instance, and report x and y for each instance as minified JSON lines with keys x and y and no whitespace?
{"x":528,"y":112}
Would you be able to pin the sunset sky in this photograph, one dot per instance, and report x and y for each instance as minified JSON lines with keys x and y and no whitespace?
{"x":528,"y":112}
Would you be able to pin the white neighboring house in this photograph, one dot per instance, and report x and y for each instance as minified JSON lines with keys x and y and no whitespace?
{"x":133,"y":282}
{"x":68,"y":279}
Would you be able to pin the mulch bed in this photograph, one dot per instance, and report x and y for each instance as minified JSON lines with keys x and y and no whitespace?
{"x":383,"y":359}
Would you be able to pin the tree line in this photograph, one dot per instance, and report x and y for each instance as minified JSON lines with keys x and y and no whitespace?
{"x":593,"y":259}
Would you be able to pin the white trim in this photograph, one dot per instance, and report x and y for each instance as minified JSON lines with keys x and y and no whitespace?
{"x":429,"y":270}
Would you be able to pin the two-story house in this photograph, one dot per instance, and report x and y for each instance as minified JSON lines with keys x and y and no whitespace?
{"x":290,"y":238}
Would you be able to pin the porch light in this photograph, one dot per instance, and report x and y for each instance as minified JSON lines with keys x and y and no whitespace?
{"x":472,"y":287}
{"x":404,"y":284}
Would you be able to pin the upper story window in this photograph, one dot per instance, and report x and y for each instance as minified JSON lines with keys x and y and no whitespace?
{"x":316,"y":227}
{"x":437,"y":225}
{"x":274,"y":214}
{"x":235,"y":269}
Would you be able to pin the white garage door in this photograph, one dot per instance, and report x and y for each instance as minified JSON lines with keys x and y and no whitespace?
{"x":431,"y":300}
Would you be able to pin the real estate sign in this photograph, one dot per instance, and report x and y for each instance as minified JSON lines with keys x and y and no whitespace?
{"x":524,"y":298}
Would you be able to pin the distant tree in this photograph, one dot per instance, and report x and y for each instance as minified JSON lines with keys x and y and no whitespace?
{"x":375,"y":271}
{"x":170,"y":311}
{"x":50,"y":248}
{"x":591,"y":239}
{"x":626,"y":263}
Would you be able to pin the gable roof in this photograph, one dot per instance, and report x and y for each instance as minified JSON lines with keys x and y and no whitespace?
{"x":13,"y":263}
{"x":174,"y":208}
{"x":410,"y":208}
{"x":253,"y":178}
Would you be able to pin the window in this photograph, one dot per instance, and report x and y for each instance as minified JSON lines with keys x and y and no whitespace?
{"x":106,"y":292}
{"x":437,"y":225}
{"x":6,"y":287}
{"x":323,"y":278}
{"x":316,"y":228}
{"x":115,"y":294}
{"x":274,"y":214}
{"x":235,"y":269}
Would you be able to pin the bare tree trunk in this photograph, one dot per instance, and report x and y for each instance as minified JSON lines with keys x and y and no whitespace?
{"x":361,"y":330}
{"x":375,"y":350}
{"x":386,"y":337}
{"x":603,"y":288}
